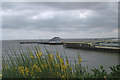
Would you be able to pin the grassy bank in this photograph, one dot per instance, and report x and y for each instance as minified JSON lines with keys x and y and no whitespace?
{"x":35,"y":64}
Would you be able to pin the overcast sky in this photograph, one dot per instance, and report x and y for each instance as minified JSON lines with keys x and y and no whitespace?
{"x":30,"y":20}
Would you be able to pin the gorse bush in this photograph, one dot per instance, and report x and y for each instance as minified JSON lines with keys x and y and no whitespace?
{"x":37,"y":65}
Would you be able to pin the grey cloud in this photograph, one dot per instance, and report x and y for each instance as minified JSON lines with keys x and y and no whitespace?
{"x":61,"y":16}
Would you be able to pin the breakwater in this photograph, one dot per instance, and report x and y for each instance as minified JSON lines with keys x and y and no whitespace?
{"x":109,"y":46}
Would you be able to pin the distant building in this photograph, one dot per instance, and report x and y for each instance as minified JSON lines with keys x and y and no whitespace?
{"x":56,"y":40}
{"x":112,"y":43}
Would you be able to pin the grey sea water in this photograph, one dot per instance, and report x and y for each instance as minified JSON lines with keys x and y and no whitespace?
{"x":89,"y":58}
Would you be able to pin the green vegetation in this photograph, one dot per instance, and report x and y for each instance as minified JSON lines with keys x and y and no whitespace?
{"x":37,"y":65}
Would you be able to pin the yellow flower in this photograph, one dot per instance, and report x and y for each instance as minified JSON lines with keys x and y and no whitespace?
{"x":80,"y":60}
{"x":51,"y":69}
{"x":32,"y":56}
{"x":21,"y":70}
{"x":50,"y":57}
{"x":39,"y":70}
{"x":37,"y":51}
{"x":67,"y":64}
{"x":42,"y":66}
{"x":40,"y":53}
{"x":34,"y":66}
{"x":70,"y":68}
{"x":45,"y":65}
{"x":58,"y":56}
{"x":26,"y":70}
{"x":63,"y":67}
{"x":63,"y":76}
{"x":16,"y":68}
{"x":0,"y":75}
{"x":61,"y":61}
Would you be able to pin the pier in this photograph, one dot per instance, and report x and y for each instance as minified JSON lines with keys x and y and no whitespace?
{"x":53,"y":41}
{"x":41,"y":43}
{"x":78,"y":45}
{"x":109,"y":46}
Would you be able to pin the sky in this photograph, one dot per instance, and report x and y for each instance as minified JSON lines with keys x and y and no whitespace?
{"x":45,"y":20}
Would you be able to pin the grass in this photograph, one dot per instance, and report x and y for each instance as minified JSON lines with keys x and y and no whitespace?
{"x":36,"y":64}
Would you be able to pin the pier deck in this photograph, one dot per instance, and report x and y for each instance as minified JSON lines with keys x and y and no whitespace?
{"x":92,"y":46}
{"x":41,"y":43}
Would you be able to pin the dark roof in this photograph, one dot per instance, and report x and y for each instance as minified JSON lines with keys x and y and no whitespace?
{"x":56,"y":38}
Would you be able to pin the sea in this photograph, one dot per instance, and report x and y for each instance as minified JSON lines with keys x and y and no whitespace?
{"x":90,"y":58}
